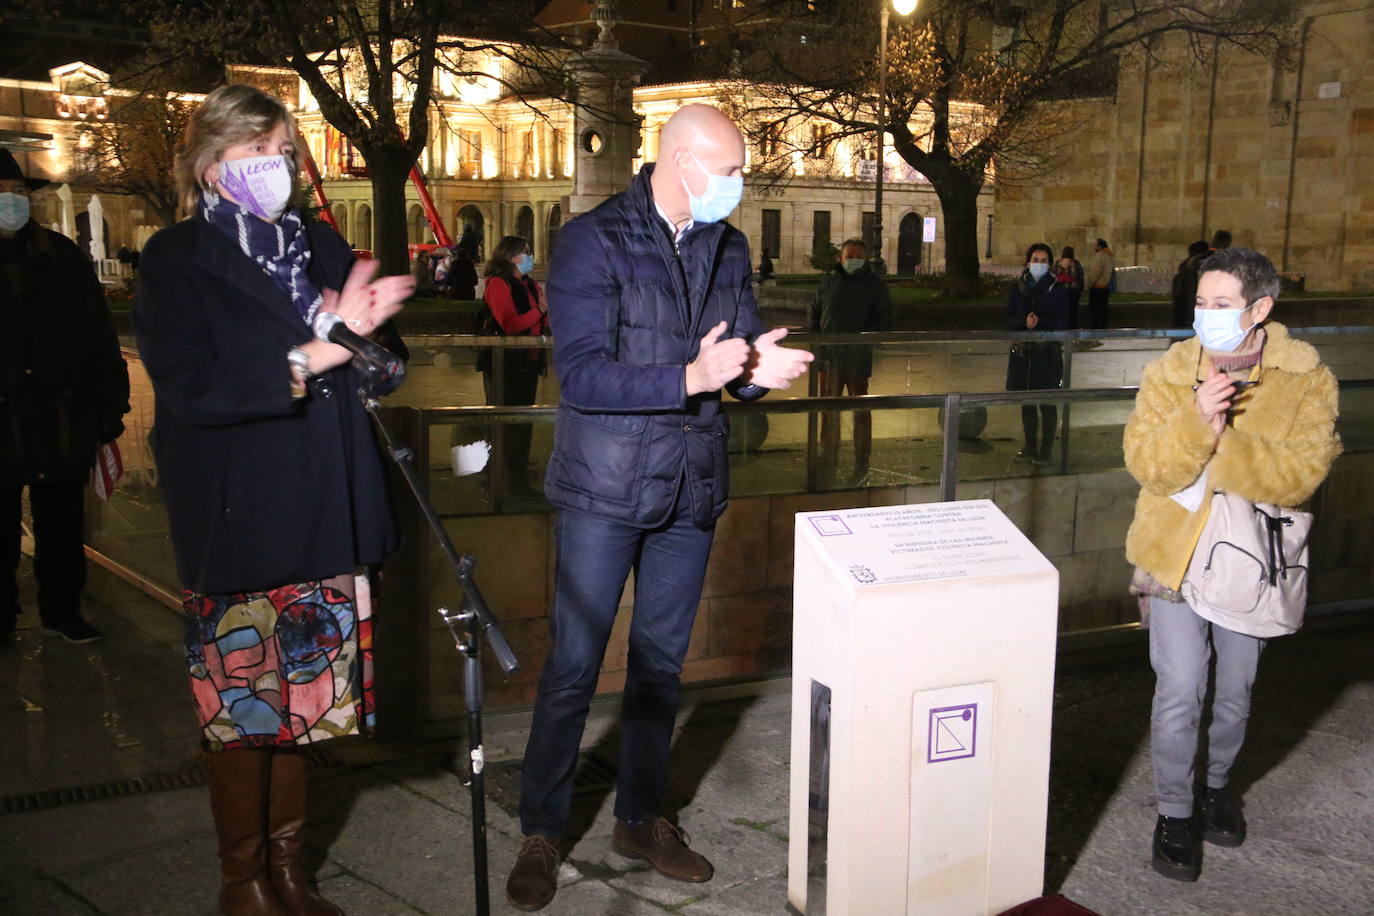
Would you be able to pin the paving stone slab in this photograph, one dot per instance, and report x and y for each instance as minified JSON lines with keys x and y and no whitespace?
{"x":764,"y":896}
{"x":74,"y":837}
{"x":27,"y":892}
{"x":180,"y":879}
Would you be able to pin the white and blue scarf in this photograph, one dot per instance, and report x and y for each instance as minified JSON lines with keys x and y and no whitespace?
{"x":281,"y":249}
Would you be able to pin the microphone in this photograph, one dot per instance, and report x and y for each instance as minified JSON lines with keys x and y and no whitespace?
{"x":371,"y":357}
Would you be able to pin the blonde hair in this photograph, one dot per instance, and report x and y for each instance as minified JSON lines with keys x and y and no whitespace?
{"x":229,"y":115}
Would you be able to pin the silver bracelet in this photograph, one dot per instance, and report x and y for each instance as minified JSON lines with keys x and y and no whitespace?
{"x":299,"y":359}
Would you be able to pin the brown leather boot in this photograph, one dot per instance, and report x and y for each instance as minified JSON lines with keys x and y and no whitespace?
{"x":285,"y":824}
{"x":665,"y":846}
{"x":534,"y":877}
{"x":238,"y":801}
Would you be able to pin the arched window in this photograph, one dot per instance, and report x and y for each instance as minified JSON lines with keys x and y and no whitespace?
{"x":341,"y":220}
{"x":362,"y":232}
{"x":909,"y":244}
{"x":417,"y":230}
{"x":471,"y":227}
{"x":554,"y":227}
{"x":524,"y":224}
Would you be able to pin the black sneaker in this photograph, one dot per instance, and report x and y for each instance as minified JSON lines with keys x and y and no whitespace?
{"x":1176,"y":851}
{"x":75,"y":629}
{"x":1223,"y":824}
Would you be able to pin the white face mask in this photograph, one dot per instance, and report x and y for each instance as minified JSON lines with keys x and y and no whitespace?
{"x":721,"y":197}
{"x":14,"y":211}
{"x":852,"y":265}
{"x":1219,"y":329}
{"x":1038,"y":270}
{"x":261,"y":184}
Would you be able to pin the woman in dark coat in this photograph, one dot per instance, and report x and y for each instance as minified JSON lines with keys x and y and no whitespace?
{"x":274,"y":484}
{"x":517,"y":305}
{"x":1040,"y":302}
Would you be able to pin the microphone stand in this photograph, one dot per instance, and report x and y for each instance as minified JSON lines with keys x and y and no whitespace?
{"x":469,"y":626}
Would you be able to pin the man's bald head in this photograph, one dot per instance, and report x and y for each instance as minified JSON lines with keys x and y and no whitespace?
{"x":693,"y":126}
{"x":697,"y":141}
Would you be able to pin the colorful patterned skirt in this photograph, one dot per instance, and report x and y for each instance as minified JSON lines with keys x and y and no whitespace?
{"x":283,"y":667}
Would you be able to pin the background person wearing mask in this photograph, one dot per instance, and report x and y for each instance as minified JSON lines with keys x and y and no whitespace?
{"x":852,"y":299}
{"x":1038,"y":302}
{"x":517,"y":306}
{"x":63,"y":389}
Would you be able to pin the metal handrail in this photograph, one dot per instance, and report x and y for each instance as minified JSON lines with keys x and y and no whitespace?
{"x":881,"y":337}
{"x":953,"y":404}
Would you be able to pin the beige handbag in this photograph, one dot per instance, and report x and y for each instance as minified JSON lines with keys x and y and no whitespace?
{"x":1249,"y":571}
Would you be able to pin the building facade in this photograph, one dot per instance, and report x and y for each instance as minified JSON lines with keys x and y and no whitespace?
{"x":1273,"y":150}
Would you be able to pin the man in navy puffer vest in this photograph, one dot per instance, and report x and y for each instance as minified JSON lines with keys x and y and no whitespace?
{"x":653,"y":314}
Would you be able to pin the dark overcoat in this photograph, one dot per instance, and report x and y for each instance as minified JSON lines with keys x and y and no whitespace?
{"x":628,"y":309}
{"x":262,"y":490}
{"x":1034,"y":364}
{"x":850,"y":304}
{"x":63,"y":382}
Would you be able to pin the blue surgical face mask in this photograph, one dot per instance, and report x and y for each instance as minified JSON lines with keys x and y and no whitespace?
{"x":721,"y":197}
{"x":14,"y":211}
{"x":1038,"y":270}
{"x":852,"y":265}
{"x":525,"y":263}
{"x":1219,"y":329}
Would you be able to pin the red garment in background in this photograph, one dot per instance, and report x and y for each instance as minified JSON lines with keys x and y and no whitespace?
{"x":500,"y":300}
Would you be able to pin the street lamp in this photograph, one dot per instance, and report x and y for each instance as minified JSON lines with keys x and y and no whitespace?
{"x":903,"y":8}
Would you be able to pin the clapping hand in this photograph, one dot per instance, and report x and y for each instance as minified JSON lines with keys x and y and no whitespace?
{"x":718,"y":361}
{"x":364,"y":305}
{"x":772,"y":366}
{"x":1214,"y":399}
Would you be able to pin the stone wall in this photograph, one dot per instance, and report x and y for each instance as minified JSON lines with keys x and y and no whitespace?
{"x":1277,"y":155}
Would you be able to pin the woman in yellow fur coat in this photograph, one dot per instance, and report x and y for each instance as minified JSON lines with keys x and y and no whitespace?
{"x":1257,"y":409}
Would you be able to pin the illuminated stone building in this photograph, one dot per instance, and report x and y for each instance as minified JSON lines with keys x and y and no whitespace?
{"x":1274,"y":151}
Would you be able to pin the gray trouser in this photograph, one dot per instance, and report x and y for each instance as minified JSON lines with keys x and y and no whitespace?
{"x":1181,"y":645}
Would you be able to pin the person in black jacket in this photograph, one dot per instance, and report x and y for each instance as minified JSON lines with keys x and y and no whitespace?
{"x":1185,"y":285}
{"x":653,"y":315}
{"x":852,"y":299}
{"x":274,"y":484}
{"x":462,"y":275}
{"x":1037,"y":302}
{"x":63,"y":389}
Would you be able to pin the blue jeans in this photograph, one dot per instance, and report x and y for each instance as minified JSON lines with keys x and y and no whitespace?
{"x":594,"y":558}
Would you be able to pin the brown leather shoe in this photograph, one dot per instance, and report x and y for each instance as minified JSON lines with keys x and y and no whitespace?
{"x":665,"y":846}
{"x":534,"y":877}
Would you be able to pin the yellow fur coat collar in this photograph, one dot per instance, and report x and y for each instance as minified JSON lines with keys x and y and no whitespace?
{"x":1277,"y":448}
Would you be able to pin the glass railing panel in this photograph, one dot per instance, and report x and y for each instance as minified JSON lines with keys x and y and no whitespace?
{"x":1346,"y":352}
{"x":131,"y":529}
{"x":1004,"y":439}
{"x":487,"y":462}
{"x":1355,"y":422}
